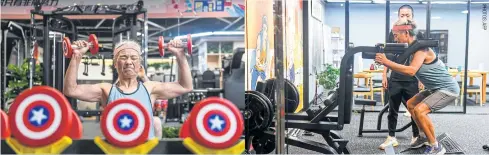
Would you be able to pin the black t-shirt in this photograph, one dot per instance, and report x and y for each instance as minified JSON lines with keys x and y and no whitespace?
{"x":395,"y":76}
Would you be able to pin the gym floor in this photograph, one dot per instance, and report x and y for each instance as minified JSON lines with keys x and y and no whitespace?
{"x":463,"y":128}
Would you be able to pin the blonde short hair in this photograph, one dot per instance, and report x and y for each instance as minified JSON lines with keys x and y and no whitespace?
{"x":402,"y":22}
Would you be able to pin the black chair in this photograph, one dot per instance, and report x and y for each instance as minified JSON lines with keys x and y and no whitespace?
{"x":208,"y":79}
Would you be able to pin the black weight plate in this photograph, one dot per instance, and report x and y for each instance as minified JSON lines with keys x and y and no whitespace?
{"x":260,"y":115}
{"x":264,"y":144}
{"x":290,"y":91}
{"x":270,"y":105}
{"x":295,"y":98}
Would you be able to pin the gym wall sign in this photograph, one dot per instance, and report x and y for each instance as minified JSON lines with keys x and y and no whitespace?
{"x":484,"y":16}
{"x":29,"y":3}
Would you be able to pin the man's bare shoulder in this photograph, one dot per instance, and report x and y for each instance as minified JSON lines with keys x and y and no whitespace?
{"x":105,"y":86}
{"x":150,"y":84}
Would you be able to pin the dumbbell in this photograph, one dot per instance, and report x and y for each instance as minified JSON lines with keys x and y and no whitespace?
{"x":92,"y":44}
{"x":163,"y":46}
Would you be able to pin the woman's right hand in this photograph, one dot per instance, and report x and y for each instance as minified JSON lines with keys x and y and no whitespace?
{"x":384,"y":82}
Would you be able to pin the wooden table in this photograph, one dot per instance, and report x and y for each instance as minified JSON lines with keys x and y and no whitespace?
{"x":454,"y":73}
{"x":471,"y":80}
{"x":373,"y":71}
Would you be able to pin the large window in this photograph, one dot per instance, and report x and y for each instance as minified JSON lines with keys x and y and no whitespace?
{"x":216,"y":47}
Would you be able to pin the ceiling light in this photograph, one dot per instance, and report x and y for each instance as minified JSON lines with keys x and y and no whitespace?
{"x":378,"y":1}
{"x":465,"y":11}
{"x":333,"y":1}
{"x":212,"y":33}
{"x":360,"y":1}
{"x":404,"y":2}
{"x":436,"y":17}
{"x":480,"y":2}
{"x":446,"y":2}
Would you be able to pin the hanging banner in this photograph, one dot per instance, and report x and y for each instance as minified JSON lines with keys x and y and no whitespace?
{"x":293,"y":46}
{"x":259,"y":42}
{"x":156,"y":8}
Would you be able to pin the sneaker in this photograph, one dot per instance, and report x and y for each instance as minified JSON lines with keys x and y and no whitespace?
{"x":390,"y":140}
{"x":438,"y":150}
{"x":417,"y":142}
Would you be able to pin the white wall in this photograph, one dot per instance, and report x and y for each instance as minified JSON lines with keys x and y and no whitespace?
{"x":479,"y":39}
{"x":315,"y":42}
{"x":238,"y":44}
{"x":367,"y":27}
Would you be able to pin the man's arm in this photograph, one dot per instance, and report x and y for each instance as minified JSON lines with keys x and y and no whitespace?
{"x":384,"y":73}
{"x":414,"y":66}
{"x":170,"y":90}
{"x":85,"y":92}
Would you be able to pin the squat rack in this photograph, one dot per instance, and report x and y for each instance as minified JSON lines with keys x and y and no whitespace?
{"x":127,"y":14}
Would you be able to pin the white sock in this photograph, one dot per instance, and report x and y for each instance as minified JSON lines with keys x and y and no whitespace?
{"x":422,"y":134}
{"x":435,"y":144}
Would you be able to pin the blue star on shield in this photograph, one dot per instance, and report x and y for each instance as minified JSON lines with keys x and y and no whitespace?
{"x":216,"y":123}
{"x":38,"y":116}
{"x":125,"y":121}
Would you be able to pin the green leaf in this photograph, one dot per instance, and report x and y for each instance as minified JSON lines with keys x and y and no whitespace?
{"x":328,"y":77}
{"x":20,"y":78}
{"x":171,"y":132}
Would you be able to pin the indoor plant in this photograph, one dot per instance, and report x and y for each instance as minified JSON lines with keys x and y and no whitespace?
{"x":19,"y":80}
{"x":328,"y":78}
{"x":171,"y":132}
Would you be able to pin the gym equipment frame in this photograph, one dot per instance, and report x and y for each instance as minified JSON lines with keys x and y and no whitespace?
{"x":319,"y":121}
{"x":61,"y":63}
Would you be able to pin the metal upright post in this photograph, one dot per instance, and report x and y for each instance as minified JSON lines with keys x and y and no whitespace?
{"x":428,"y":20}
{"x":279,"y":73}
{"x":55,"y":63}
{"x":4,"y":70}
{"x":171,"y":70}
{"x":145,"y":40}
{"x":134,"y":28}
{"x":347,"y":25}
{"x":467,"y":34}
{"x":32,"y":63}
{"x":387,"y":20}
{"x":47,"y":53}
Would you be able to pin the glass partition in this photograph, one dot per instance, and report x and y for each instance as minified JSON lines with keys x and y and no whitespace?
{"x":477,"y":65}
{"x":448,"y":26}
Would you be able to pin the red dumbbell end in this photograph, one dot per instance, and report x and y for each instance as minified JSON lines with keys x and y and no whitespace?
{"x":93,"y":39}
{"x":189,"y":44}
{"x":161,"y":46}
{"x":67,"y":50}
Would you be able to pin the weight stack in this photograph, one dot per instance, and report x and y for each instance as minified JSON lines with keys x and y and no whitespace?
{"x":173,"y":110}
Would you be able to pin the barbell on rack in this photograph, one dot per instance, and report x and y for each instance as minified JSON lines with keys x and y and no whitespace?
{"x":92,"y":44}
{"x":162,"y":46}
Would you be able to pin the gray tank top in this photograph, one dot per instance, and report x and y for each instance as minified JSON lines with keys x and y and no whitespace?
{"x":435,"y":76}
{"x":141,"y":94}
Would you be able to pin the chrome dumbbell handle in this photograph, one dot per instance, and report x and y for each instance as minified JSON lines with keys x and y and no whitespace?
{"x":90,"y":45}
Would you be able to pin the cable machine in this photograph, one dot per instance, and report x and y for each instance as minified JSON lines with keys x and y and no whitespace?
{"x":55,"y":62}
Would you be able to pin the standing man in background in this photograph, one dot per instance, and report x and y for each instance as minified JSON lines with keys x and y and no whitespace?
{"x":400,"y":88}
